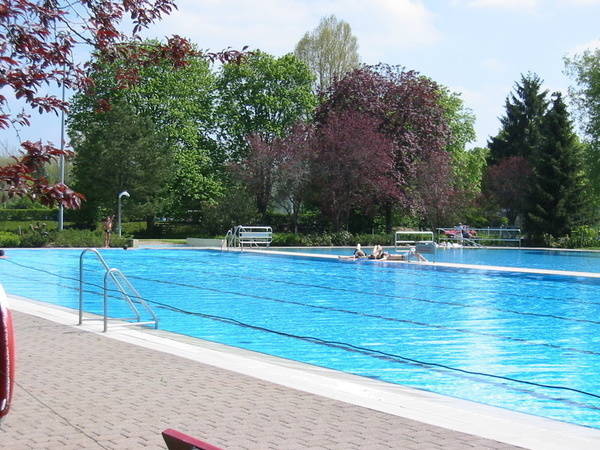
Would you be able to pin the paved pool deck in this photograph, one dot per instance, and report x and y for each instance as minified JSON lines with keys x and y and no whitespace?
{"x":80,"y":388}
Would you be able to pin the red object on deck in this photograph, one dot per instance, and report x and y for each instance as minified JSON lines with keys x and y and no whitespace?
{"x":176,"y":440}
{"x":7,"y":355}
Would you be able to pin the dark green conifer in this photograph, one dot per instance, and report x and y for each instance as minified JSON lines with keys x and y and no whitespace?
{"x":558,"y":199}
{"x":520,"y":132}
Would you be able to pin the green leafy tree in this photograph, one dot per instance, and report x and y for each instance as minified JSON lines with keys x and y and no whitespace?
{"x":585,"y":96}
{"x":120,"y":151}
{"x":182,"y":104}
{"x":37,"y":43}
{"x":449,"y":187}
{"x":175,"y":104}
{"x":330,"y":50}
{"x":559,"y":201}
{"x":264,"y":97}
{"x":467,"y":164}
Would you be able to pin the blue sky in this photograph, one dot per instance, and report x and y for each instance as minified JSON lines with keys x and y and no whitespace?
{"x":478,"y":48}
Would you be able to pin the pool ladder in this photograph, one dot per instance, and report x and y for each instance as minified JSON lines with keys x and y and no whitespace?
{"x":125,"y":288}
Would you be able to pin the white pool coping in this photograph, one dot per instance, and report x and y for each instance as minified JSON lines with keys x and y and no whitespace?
{"x":431,"y":263}
{"x":489,"y":422}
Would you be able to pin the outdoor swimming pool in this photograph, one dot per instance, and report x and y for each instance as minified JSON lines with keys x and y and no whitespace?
{"x":524,"y":341}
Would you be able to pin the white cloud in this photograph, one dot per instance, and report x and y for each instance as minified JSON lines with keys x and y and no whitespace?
{"x":493,"y":64}
{"x":385,"y":24}
{"x":271,"y":25}
{"x":579,"y":49}
{"x":275,"y":26}
{"x":580,"y":2}
{"x":488,"y":104}
{"x":513,"y":5}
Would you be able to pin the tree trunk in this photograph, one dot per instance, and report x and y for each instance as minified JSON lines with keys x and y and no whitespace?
{"x":150,"y":226}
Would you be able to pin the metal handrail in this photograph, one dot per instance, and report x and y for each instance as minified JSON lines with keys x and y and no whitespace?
{"x":486,"y":235}
{"x":253,"y":236}
{"x":397,"y":241}
{"x":229,"y":240}
{"x":121,"y":282}
{"x":417,"y":246}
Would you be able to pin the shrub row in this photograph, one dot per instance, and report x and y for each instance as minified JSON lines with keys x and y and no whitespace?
{"x":580,"y":237}
{"x":8,"y":239}
{"x":340,"y":238}
{"x":64,"y":238}
{"x":40,"y":235}
{"x":28,"y":214}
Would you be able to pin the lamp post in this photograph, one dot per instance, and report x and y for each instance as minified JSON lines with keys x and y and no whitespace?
{"x":126,"y":194}
{"x":61,"y":208}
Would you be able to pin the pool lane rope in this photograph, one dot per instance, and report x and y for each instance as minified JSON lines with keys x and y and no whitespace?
{"x":379,"y":294}
{"x":369,"y":351}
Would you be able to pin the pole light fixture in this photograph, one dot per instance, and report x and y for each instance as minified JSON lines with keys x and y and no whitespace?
{"x":122,"y":194}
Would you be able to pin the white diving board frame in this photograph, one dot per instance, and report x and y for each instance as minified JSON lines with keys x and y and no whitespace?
{"x":422,"y":241}
{"x":249,"y":236}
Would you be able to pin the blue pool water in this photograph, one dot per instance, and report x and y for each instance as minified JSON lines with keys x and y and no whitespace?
{"x":526,"y":342}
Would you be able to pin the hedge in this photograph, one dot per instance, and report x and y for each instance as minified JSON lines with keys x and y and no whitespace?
{"x":28,"y":214}
{"x":8,"y":239}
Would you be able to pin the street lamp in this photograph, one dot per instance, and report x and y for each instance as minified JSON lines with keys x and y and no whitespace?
{"x":126,"y":194}
{"x":61,"y":208}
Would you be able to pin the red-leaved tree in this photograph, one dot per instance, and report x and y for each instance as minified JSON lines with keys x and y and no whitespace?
{"x":352,"y":166}
{"x":37,"y":42}
{"x":508,"y":183}
{"x":279,"y":171}
{"x":437,"y":199}
{"x":257,"y":171}
{"x":406,"y":108}
{"x":293,"y":176}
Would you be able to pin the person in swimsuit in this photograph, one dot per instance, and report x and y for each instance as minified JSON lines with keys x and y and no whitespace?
{"x":107,"y":227}
{"x":377,"y":253}
{"x":358,"y":253}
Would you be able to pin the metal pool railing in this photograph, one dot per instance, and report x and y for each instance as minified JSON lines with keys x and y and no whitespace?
{"x":422,"y":241}
{"x":249,"y":236}
{"x":481,"y":236}
{"x":124,"y":287}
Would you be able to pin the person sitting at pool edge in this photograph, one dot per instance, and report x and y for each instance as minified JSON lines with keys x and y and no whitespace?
{"x":358,"y":253}
{"x":378,"y":253}
{"x":385,"y":256}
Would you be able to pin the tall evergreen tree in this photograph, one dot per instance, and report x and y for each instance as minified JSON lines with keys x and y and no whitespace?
{"x":516,"y":143}
{"x":558,"y":196}
{"x":520,"y":132}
